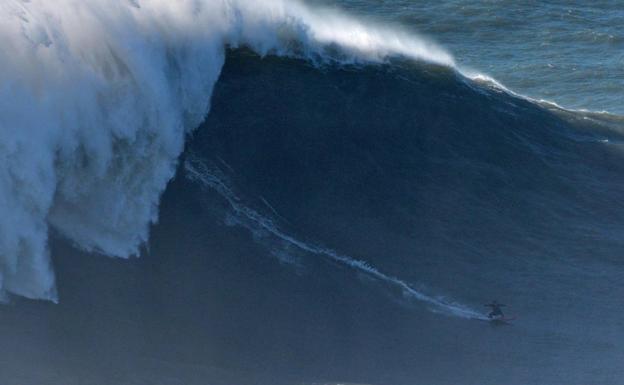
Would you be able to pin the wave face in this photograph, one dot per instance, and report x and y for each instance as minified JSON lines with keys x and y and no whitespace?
{"x":432,"y":191}
{"x":436,"y":190}
{"x":412,"y":166}
{"x":96,"y":99}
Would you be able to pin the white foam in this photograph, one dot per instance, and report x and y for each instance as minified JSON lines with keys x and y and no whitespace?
{"x":97,"y":96}
{"x":484,"y":79}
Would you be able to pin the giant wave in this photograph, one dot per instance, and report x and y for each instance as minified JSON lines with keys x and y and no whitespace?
{"x":328,"y":188}
{"x":97,"y":98}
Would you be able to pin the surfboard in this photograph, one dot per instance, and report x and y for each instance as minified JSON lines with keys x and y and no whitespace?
{"x":501,"y":320}
{"x":496,"y":321}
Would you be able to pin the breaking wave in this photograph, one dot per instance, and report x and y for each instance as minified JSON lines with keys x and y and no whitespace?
{"x":97,"y":97}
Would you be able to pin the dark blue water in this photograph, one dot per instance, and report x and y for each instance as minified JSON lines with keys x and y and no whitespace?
{"x":333,"y":223}
{"x":463,"y":192}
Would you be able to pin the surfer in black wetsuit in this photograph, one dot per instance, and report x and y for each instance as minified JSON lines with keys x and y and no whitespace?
{"x":496,"y":309}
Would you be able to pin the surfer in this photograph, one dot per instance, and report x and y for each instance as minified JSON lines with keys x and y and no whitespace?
{"x":496,"y":309}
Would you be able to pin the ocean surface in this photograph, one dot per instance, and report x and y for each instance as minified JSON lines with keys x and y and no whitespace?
{"x":321,"y":192}
{"x":566,"y":52}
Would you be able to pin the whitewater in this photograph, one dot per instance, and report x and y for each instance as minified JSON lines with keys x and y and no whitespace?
{"x":97,"y":98}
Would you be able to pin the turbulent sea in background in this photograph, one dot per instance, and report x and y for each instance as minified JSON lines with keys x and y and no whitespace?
{"x":567,"y":52}
{"x":276,"y":192}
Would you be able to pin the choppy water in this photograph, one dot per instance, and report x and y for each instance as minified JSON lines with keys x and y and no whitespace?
{"x":567,"y":52}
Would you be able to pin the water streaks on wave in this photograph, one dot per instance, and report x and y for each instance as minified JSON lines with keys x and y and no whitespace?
{"x":210,"y":176}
